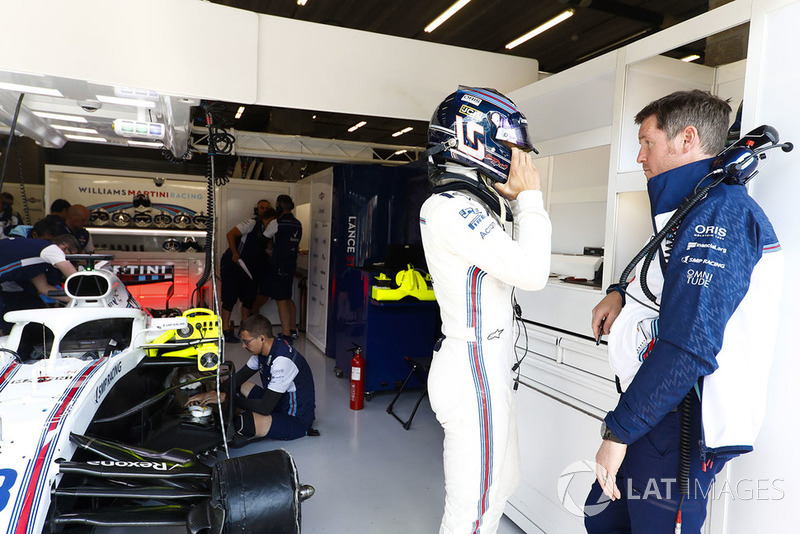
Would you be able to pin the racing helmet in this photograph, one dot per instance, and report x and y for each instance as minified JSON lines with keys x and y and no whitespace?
{"x":471,"y":127}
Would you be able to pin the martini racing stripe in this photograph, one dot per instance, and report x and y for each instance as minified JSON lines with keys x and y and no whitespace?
{"x":34,"y":480}
{"x":494,"y":99}
{"x":475,"y":279}
{"x":8,"y":373}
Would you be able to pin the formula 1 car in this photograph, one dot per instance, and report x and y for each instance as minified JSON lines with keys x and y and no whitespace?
{"x":93,"y":431}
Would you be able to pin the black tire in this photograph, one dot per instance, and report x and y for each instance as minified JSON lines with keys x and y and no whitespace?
{"x":259,"y":493}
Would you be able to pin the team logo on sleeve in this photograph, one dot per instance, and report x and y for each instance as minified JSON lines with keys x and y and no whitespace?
{"x":701,"y":230}
{"x":698,"y":278}
{"x":711,"y":246}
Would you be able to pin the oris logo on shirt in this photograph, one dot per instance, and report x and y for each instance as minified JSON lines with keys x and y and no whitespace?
{"x":710,"y":231}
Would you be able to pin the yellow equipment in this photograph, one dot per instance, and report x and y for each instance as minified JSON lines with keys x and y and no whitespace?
{"x":410,"y":283}
{"x":197,"y":340}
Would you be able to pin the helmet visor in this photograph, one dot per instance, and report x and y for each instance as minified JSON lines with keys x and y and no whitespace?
{"x":512,"y":129}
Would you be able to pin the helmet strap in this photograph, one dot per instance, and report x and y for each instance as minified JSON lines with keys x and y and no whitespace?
{"x":500,"y":200}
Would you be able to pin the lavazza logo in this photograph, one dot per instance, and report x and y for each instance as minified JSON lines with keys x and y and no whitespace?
{"x":576,"y":480}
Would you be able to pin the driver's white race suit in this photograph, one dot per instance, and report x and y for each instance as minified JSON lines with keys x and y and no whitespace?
{"x":475,"y":265}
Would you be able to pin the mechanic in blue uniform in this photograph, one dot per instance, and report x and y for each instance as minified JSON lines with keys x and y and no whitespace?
{"x":718,"y":283}
{"x":286,"y":232}
{"x":246,"y":242}
{"x":23,"y":264}
{"x":75,"y":225}
{"x":282,"y":407}
{"x":8,"y":219}
{"x":479,"y":161}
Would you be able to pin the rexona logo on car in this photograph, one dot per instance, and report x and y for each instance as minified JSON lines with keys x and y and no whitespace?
{"x":158,"y":466}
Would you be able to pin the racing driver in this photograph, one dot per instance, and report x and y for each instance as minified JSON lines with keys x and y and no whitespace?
{"x":478,"y":161}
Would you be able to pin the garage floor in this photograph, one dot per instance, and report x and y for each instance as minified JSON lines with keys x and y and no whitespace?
{"x":370,"y":474}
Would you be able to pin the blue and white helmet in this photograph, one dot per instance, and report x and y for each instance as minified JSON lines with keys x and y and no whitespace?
{"x":472,"y":126}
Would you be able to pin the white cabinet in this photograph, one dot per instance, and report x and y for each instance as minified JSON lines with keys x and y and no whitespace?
{"x":564,"y":390}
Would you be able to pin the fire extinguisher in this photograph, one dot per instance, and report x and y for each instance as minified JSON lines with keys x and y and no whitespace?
{"x":356,"y":379}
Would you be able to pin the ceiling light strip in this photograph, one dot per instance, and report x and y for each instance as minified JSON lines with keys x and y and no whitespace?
{"x":86,"y":138}
{"x":541,"y":29}
{"x":44,"y":91}
{"x":401,"y":132}
{"x":59,"y":117}
{"x":239,"y":112}
{"x":74,"y":129}
{"x":690,"y":58}
{"x":126,"y":101}
{"x":356,"y":126}
{"x":147,"y":144}
{"x":452,"y":10}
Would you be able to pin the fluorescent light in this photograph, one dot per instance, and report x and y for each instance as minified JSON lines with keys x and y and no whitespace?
{"x":86,"y":138}
{"x":147,"y":144}
{"x":452,"y":10}
{"x":59,"y":116}
{"x":239,"y":112}
{"x":400,"y":152}
{"x":357,"y":126}
{"x":46,"y":91}
{"x":301,"y":2}
{"x":126,"y":101}
{"x":401,"y":132}
{"x":690,"y":58}
{"x":540,"y":29}
{"x":75,"y":129}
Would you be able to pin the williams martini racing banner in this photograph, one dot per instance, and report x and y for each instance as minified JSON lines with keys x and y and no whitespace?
{"x":110,"y":194}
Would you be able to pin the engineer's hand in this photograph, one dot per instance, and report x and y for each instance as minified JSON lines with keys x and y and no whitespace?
{"x":608,"y":459}
{"x":522,"y":176}
{"x":609,"y":309}
{"x":203,"y":399}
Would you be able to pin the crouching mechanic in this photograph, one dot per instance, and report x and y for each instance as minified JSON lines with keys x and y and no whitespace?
{"x":709,"y":339}
{"x":478,"y":161}
{"x":282,"y":407}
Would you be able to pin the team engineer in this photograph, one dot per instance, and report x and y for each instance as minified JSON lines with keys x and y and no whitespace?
{"x":717,"y":281}
{"x":246,"y":244}
{"x":478,"y":161}
{"x":282,"y":407}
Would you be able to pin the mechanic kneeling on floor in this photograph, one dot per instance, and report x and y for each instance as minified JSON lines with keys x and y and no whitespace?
{"x":283,"y":406}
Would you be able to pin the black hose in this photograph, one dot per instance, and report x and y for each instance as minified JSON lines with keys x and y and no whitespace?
{"x":22,"y":193}
{"x":10,"y":139}
{"x":209,"y":257}
{"x":685,"y":409}
{"x":648,"y":251}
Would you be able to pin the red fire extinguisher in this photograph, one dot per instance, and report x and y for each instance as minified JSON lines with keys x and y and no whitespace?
{"x":356,"y":379}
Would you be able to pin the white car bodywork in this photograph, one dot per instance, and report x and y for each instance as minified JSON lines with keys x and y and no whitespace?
{"x":43,"y":400}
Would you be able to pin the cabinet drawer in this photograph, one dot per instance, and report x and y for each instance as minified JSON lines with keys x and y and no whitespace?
{"x":539,"y":342}
{"x":586,"y":356}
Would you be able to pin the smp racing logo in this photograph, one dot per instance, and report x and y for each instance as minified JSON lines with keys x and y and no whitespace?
{"x":107,"y":381}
